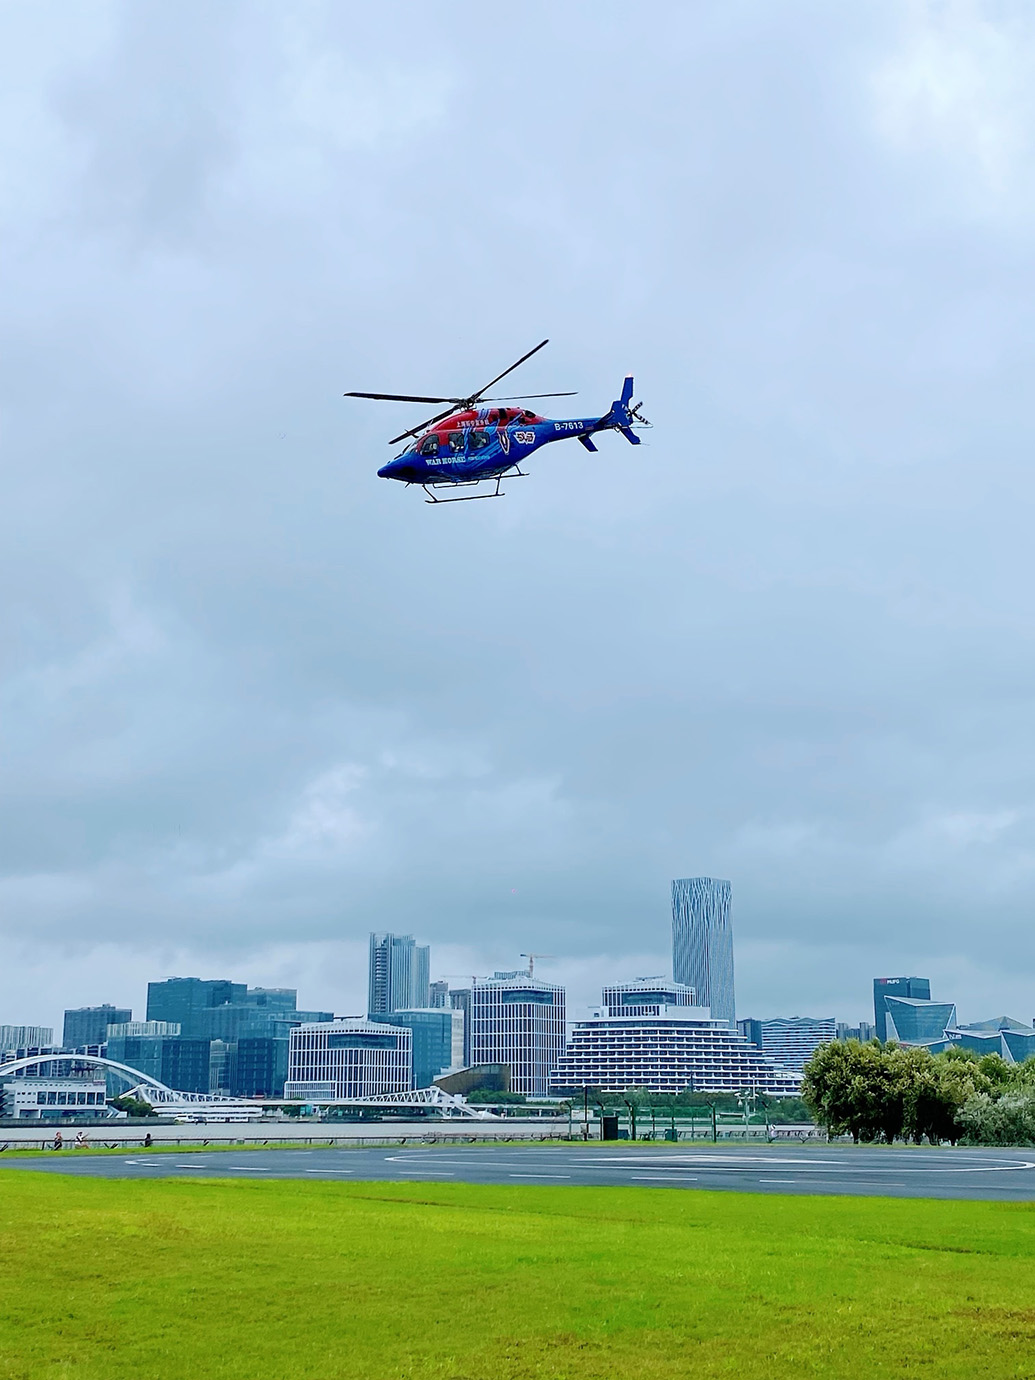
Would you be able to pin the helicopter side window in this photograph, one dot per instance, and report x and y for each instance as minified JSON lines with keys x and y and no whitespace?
{"x":429,"y":447}
{"x":479,"y":440}
{"x":456,"y":442}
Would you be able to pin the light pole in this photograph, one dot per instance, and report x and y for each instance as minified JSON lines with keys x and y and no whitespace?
{"x":632,"y":1116}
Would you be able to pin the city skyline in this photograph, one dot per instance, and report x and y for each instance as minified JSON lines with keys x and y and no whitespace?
{"x":340,"y":971}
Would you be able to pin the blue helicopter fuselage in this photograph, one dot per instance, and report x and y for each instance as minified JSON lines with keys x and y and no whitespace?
{"x":485,"y":444}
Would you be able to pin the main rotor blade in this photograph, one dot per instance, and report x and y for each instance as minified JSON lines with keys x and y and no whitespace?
{"x":475,"y":397}
{"x":521,"y":397}
{"x":421,"y":426}
{"x":401,"y":397}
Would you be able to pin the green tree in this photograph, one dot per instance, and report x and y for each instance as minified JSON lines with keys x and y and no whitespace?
{"x":1006,"y":1119}
{"x":858,"y":1090}
{"x":132,"y":1106}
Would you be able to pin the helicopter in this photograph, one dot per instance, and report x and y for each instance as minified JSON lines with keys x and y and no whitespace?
{"x":469,"y":443}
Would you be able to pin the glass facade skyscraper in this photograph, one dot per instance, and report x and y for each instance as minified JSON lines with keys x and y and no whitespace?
{"x":229,"y":1015}
{"x":913,"y":1021}
{"x":436,"y":1045}
{"x":917,"y":988}
{"x":177,"y":1062}
{"x":399,"y":974}
{"x":702,"y":942}
{"x":88,"y":1025}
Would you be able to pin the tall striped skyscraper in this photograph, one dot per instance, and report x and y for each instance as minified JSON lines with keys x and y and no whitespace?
{"x":702,"y":942}
{"x":398,"y":975}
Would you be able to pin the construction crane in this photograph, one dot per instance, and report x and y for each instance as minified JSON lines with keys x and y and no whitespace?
{"x":531,"y":961}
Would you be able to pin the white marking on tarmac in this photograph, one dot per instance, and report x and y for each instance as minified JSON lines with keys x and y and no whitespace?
{"x":667,"y":1178}
{"x":539,"y":1176}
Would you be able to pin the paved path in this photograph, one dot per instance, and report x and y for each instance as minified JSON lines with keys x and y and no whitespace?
{"x":892,"y":1172}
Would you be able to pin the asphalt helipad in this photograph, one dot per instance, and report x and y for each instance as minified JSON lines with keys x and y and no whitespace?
{"x":896,"y":1172}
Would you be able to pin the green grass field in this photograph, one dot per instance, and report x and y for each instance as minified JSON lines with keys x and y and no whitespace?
{"x":105,"y":1279}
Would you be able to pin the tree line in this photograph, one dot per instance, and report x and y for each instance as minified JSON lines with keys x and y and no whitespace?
{"x":888,"y":1092}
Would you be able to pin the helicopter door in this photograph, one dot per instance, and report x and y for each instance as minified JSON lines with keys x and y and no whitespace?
{"x":478,"y":440}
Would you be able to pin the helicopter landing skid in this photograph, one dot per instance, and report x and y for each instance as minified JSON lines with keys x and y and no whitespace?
{"x":471,"y":483}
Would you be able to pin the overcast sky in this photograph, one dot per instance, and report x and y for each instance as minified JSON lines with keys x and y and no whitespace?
{"x":257,"y":702}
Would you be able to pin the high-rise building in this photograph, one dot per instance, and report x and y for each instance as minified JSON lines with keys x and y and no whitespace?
{"x":864,"y":1031}
{"x":440,"y":993}
{"x":702,"y":942}
{"x":183,"y":999}
{"x":918,"y":988}
{"x":518,"y":1021}
{"x":15,"y":1037}
{"x":246,"y":1029}
{"x":399,"y":974}
{"x":913,"y":1021}
{"x":668,"y":1049}
{"x":227,"y":1010}
{"x":260,"y":1067}
{"x":175,"y":1060}
{"x":88,"y":1025}
{"x":349,"y":1057}
{"x":789,"y":1041}
{"x":438,"y":1040}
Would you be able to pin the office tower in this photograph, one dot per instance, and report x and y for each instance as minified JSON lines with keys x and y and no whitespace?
{"x":663,"y":1048}
{"x":864,"y":1031}
{"x":438,"y":1040}
{"x":702,"y":942}
{"x":14,"y":1037}
{"x":789,"y":1041}
{"x":439,"y":993}
{"x":348,"y":1058}
{"x":399,"y":974}
{"x":218,"y":1010}
{"x":88,"y":1025}
{"x":227,"y":1016}
{"x":183,"y":999}
{"x":518,"y":1021}
{"x":261,"y":1066}
{"x":914,"y":1021}
{"x":917,"y":988}
{"x":175,"y":1060}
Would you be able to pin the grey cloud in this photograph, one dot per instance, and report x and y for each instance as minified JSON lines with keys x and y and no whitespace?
{"x":255,"y":697}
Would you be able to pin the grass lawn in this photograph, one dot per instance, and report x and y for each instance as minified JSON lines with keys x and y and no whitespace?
{"x":105,"y":1279}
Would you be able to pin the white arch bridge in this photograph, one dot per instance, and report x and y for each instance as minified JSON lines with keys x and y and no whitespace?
{"x":174,"y":1103}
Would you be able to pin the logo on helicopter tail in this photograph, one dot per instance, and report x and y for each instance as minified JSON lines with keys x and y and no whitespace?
{"x":525,"y":438}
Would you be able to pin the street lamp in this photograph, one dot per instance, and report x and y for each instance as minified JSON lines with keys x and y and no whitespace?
{"x":632,"y":1116}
